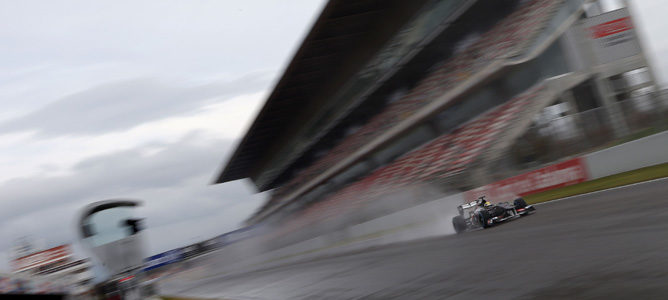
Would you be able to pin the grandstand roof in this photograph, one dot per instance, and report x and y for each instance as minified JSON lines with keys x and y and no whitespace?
{"x":341,"y":31}
{"x":499,"y":41}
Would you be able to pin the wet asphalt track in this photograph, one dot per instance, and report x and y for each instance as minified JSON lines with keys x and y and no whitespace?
{"x":611,"y":244}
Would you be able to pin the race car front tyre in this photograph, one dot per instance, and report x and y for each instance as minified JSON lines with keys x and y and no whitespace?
{"x":484,"y":217}
{"x":459,"y":224}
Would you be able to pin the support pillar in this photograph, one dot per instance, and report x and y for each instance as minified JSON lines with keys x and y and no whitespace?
{"x":612,"y":109}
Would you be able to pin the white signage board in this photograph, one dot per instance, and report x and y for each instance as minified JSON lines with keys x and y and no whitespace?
{"x":612,"y":36}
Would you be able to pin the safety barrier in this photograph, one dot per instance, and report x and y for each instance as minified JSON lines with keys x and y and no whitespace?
{"x":644,"y":152}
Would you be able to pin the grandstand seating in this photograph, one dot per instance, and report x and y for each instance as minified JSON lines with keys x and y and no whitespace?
{"x":439,"y":158}
{"x":449,"y":153}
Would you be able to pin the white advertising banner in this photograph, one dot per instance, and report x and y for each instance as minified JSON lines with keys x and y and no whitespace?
{"x":612,"y":36}
{"x":41,"y":258}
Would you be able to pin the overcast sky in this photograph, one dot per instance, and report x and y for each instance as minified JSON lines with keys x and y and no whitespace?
{"x":133,"y":99}
{"x":145,"y":100}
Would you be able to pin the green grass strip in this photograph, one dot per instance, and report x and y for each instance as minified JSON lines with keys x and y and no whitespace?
{"x":638,"y":175}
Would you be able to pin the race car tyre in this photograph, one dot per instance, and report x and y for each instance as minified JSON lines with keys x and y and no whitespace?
{"x":483,"y":217}
{"x":520,"y":203}
{"x":459,"y":224}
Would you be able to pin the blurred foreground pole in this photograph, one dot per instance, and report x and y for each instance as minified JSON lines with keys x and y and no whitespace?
{"x":109,"y":231}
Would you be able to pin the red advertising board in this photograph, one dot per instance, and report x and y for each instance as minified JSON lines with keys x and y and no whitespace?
{"x":38,"y":258}
{"x":611,"y":27}
{"x":611,"y":36}
{"x":558,"y":175}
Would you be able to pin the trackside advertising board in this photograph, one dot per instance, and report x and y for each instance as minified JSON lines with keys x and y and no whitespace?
{"x":558,"y":175}
{"x":163,"y":259}
{"x":40,"y":258}
{"x":612,"y":36}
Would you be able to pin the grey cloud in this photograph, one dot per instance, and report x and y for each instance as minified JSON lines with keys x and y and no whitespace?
{"x":173,"y":184}
{"x":111,"y":175}
{"x":125,"y":104}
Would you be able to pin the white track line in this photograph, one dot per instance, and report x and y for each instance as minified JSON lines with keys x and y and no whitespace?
{"x":601,"y":191}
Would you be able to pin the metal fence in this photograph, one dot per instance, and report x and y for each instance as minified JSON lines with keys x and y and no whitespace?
{"x":550,"y":140}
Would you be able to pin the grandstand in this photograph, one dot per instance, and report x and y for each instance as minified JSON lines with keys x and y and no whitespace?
{"x":390,"y":103}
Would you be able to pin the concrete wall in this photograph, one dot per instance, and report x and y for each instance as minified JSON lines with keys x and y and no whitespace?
{"x":645,"y":152}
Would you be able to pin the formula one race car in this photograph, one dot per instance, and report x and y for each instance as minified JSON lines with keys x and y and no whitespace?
{"x":482,"y":214}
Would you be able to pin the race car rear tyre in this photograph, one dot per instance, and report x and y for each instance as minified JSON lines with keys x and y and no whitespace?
{"x":519,"y":203}
{"x":459,"y":224}
{"x":483,"y":217}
